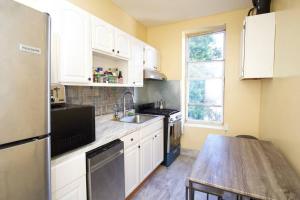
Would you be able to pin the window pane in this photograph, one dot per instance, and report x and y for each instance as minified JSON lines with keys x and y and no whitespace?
{"x":196,"y":91}
{"x":209,"y":92}
{"x":213,"y":69}
{"x":205,"y":113}
{"x":206,"y":47}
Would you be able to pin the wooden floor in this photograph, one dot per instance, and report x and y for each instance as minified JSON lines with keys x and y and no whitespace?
{"x":169,"y":183}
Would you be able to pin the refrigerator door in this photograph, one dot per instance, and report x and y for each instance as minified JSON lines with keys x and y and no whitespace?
{"x":24,"y":88}
{"x":24,"y":171}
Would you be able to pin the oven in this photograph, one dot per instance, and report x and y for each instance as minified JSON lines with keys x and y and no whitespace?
{"x":172,"y":138}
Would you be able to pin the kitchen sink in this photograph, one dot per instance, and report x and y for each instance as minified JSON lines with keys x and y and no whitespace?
{"x":137,"y":119}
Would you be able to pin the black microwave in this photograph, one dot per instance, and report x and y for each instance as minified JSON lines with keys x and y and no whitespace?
{"x":72,"y":126}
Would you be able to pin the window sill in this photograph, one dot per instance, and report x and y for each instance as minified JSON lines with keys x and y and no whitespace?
{"x":207,"y":126}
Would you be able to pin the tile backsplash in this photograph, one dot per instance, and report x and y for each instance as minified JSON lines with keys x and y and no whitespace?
{"x":103,"y":98}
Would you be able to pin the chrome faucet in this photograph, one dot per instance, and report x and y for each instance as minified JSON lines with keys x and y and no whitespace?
{"x":124,"y":101}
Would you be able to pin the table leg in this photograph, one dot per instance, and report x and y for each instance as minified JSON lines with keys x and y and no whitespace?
{"x":186,"y":193}
{"x":191,"y":191}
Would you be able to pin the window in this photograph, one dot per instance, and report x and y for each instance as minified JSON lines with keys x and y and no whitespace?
{"x":205,"y":78}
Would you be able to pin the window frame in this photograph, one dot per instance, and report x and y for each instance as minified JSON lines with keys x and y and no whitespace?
{"x":186,"y":81}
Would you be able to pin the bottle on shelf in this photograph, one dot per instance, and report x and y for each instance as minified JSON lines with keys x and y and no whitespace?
{"x":120,"y":77}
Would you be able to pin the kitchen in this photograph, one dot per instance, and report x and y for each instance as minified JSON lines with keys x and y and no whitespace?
{"x":125,"y":104}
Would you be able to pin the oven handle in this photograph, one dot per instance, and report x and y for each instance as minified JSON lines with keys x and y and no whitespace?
{"x":174,"y":122}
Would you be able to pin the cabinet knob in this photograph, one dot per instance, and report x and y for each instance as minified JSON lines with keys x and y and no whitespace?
{"x":139,"y":146}
{"x":131,"y":139}
{"x":89,"y":79}
{"x":155,"y":135}
{"x":113,"y":50}
{"x":118,"y":51}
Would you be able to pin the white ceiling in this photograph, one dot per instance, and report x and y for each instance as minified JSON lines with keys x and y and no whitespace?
{"x":155,"y":12}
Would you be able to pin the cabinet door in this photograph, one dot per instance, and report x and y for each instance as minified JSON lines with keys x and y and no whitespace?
{"x":122,"y":44}
{"x":151,"y":58}
{"x":132,"y":171}
{"x":136,"y":76}
{"x":73,"y":191}
{"x":73,"y":43}
{"x":102,"y":36}
{"x":146,"y":157}
{"x":158,"y":148}
{"x":39,"y":5}
{"x":259,"y":46}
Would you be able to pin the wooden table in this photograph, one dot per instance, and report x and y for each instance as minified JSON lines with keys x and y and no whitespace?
{"x":246,"y":167}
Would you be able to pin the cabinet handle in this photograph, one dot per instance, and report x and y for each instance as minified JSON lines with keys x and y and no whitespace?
{"x":131,"y":139}
{"x":113,"y":50}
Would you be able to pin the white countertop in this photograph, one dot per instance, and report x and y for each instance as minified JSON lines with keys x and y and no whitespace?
{"x":107,"y":130}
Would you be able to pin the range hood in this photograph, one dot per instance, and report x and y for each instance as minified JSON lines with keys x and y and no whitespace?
{"x":154,"y":75}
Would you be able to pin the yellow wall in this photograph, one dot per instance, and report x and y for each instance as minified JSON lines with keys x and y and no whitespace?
{"x":242,"y":98}
{"x":280,"y":110}
{"x":108,"y":11}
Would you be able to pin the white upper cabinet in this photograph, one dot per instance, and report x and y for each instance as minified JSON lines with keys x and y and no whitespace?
{"x":40,"y":5}
{"x":122,"y":44}
{"x":71,"y":43}
{"x":136,"y":63}
{"x":79,"y":39}
{"x":258,"y":46}
{"x":109,"y":40}
{"x":151,"y":58}
{"x":102,"y":36}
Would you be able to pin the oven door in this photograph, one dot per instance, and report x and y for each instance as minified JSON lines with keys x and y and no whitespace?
{"x":174,"y":134}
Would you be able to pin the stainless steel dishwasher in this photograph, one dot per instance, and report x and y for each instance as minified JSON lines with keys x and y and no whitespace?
{"x":105,"y":172}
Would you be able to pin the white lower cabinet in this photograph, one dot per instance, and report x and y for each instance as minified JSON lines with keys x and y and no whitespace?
{"x":158,"y":148}
{"x":68,"y":178}
{"x":73,"y":191}
{"x":132,"y":171}
{"x":146,"y":156}
{"x":143,"y":153}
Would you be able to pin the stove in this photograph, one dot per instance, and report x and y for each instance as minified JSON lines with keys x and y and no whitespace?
{"x":172,"y":130}
{"x":149,"y":108}
{"x":157,"y":111}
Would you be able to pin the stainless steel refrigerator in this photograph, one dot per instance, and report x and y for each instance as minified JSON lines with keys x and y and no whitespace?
{"x":24,"y":103}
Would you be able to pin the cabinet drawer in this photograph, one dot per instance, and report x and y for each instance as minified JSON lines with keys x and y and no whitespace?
{"x":75,"y":190}
{"x":150,"y":129}
{"x":131,"y":139}
{"x":67,"y":171}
